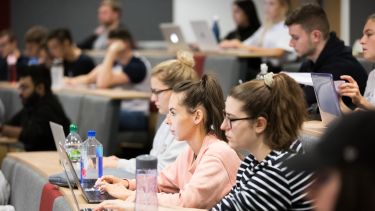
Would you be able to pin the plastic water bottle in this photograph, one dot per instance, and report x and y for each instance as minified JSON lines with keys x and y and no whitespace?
{"x":263,"y":71}
{"x":72,"y":146}
{"x":216,"y":28}
{"x":146,"y":177}
{"x":57,"y":74}
{"x":91,"y":159}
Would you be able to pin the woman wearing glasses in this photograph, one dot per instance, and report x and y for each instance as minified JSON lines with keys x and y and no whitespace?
{"x":206,"y":170}
{"x":264,"y":117}
{"x":163,"y":77}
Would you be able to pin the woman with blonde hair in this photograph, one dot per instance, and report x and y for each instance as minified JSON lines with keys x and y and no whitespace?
{"x":206,"y":170}
{"x":264,"y":117}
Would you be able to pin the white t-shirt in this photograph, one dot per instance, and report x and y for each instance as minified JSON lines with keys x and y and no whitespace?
{"x":276,"y":36}
{"x":165,"y":147}
{"x":370,"y":88}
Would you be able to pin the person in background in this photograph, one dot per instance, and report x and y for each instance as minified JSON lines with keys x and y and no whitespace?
{"x":40,"y":106}
{"x":206,"y":170}
{"x":324,"y":51}
{"x":10,"y":56}
{"x":121,"y":68}
{"x":264,"y":117}
{"x":344,"y":164}
{"x":163,"y":77}
{"x":109,"y":17}
{"x":352,"y":89}
{"x":35,"y":45}
{"x":271,"y":38}
{"x":61,"y":47}
{"x":246,"y":18}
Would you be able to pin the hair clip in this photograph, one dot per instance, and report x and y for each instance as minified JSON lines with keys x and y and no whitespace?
{"x":268,"y":79}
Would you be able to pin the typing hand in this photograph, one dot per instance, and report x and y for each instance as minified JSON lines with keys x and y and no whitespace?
{"x":109,"y":179}
{"x":117,"y":205}
{"x":116,"y":190}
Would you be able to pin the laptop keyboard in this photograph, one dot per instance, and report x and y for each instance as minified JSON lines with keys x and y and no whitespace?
{"x":97,"y":195}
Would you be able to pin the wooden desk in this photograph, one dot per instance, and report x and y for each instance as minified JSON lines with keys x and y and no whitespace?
{"x":45,"y":164}
{"x":313,"y":128}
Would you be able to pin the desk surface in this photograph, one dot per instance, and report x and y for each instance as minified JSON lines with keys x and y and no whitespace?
{"x":313,"y":128}
{"x":160,"y":52}
{"x":115,"y":94}
{"x":46,"y":163}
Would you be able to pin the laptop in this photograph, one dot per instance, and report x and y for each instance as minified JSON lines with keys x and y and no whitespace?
{"x":71,"y":186}
{"x":173,"y":37}
{"x":207,"y":42}
{"x":90,"y":194}
{"x":326,"y":96}
{"x":204,"y":36}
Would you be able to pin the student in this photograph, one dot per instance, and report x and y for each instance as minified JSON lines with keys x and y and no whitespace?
{"x":352,"y":89}
{"x":109,"y":17}
{"x":325,"y":53}
{"x":10,"y":55}
{"x":61,"y":46}
{"x":40,"y":106}
{"x":163,"y":77}
{"x":35,"y":45}
{"x":206,"y":170}
{"x":272,"y":37}
{"x":264,"y":117}
{"x":344,"y":165}
{"x":121,"y":68}
{"x":246,"y":18}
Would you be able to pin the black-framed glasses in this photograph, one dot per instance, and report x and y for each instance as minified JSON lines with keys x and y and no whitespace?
{"x":230,"y":120}
{"x":157,"y":92}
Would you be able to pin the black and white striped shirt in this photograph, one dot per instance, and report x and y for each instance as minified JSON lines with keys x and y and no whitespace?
{"x":268,"y":185}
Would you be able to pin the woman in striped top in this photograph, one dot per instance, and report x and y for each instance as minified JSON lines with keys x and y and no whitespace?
{"x":264,"y":117}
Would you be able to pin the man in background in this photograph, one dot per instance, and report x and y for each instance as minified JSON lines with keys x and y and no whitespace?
{"x":61,"y":47}
{"x":109,"y":15}
{"x":324,"y":51}
{"x":11,"y":58}
{"x":31,"y":125}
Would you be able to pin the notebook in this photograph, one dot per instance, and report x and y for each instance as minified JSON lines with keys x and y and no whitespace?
{"x":173,"y":37}
{"x":326,"y":96}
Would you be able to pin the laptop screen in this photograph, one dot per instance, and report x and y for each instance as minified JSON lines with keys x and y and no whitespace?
{"x":326,"y":95}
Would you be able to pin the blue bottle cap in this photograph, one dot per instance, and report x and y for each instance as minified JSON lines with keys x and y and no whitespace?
{"x":91,"y":133}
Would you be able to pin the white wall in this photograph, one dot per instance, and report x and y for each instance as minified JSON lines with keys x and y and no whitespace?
{"x":186,"y":10}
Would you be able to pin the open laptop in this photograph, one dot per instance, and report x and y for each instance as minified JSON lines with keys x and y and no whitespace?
{"x":204,"y":36}
{"x":90,"y":194}
{"x":207,"y":42}
{"x":327,"y":97}
{"x":173,"y":37}
{"x":71,"y":186}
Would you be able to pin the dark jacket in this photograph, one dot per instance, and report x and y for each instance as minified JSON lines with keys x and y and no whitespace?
{"x":337,"y":59}
{"x":34,"y":119}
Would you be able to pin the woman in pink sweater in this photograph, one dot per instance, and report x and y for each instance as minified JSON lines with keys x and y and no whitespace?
{"x":206,"y":171}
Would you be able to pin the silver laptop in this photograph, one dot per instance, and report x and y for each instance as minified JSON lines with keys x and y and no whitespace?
{"x":58,"y":136}
{"x":173,"y":37}
{"x":326,"y":96}
{"x":204,"y":36}
{"x":91,"y":194}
